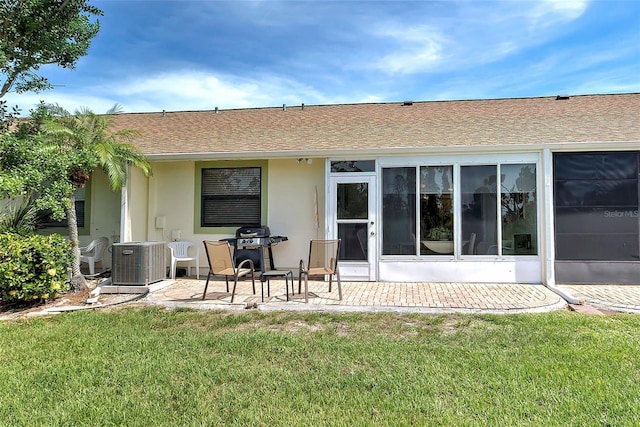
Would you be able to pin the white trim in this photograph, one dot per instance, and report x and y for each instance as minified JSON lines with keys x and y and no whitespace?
{"x":356,"y":270}
{"x":531,"y":156}
{"x":472,"y":271}
{"x":327,"y":204}
{"x":337,"y":154}
{"x":125,"y":215}
{"x":457,"y":220}
{"x":547,"y":219}
{"x":499,"y":218}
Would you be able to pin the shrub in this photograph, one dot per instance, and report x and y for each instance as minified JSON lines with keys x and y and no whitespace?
{"x":33,"y":267}
{"x":21,"y":217}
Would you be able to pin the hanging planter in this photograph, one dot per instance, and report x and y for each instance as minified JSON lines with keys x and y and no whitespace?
{"x":78,"y":178}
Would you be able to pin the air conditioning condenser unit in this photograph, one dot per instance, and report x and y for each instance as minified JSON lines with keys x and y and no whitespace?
{"x":138,"y":263}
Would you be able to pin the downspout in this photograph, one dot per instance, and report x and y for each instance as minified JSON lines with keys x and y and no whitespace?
{"x":549,"y":230}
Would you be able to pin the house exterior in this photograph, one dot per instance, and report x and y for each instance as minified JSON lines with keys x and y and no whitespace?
{"x":529,"y":190}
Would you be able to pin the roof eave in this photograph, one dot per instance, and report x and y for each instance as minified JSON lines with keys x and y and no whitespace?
{"x":373,"y":152}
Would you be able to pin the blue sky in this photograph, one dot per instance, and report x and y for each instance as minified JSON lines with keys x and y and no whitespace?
{"x":195,"y":55}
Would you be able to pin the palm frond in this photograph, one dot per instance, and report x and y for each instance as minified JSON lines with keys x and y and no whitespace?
{"x":116,"y":109}
{"x":89,"y":133}
{"x":81,"y":111}
{"x":21,"y":218}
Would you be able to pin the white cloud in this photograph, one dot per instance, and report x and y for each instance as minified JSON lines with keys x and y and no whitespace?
{"x":480,"y":33}
{"x":204,"y":90}
{"x":567,"y":9}
{"x":68,"y":101}
{"x":419,"y":49}
{"x":188,"y":90}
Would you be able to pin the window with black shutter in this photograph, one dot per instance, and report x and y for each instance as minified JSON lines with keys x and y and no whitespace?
{"x":231,"y":197}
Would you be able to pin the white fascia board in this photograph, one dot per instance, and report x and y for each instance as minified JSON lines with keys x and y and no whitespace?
{"x":593,"y":146}
{"x":426,"y":150}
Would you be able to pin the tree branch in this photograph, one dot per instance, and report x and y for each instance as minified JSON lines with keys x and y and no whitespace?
{"x":7,"y":85}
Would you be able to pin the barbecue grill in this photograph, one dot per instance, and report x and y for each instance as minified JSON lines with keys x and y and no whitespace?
{"x":251,"y":241}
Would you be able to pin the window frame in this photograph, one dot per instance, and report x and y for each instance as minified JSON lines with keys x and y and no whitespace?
{"x":423,"y":213}
{"x":458,"y":161}
{"x":534,"y":238}
{"x":411,"y":210}
{"x":228,"y":164}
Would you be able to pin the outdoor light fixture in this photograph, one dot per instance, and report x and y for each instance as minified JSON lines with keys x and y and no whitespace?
{"x":305,"y":159}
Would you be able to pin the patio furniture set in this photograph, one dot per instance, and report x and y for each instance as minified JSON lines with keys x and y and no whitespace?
{"x":243,"y":256}
{"x":322,"y":261}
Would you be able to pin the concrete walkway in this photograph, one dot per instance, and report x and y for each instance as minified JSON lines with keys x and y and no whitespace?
{"x":364,"y":296}
{"x":622,"y":298}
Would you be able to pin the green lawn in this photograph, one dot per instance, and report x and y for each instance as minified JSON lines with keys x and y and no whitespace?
{"x":141,"y":367}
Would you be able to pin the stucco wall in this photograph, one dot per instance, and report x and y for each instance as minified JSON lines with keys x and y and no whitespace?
{"x":105,"y":210}
{"x":171,"y":207}
{"x":291,"y":207}
{"x":104,"y":214}
{"x":171,"y":196}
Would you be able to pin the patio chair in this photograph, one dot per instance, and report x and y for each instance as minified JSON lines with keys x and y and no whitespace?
{"x":323,"y":260}
{"x":94,"y":252}
{"x":220,"y":258}
{"x":180,"y":253}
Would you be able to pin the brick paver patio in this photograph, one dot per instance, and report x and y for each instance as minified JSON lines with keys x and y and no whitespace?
{"x":613,"y":297}
{"x":367,"y":296}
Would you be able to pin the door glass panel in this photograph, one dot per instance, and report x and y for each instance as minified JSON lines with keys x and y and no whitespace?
{"x":353,"y":201}
{"x":436,"y":210}
{"x":353,"y":246}
{"x":519,"y":209}
{"x":399,"y":211}
{"x":479,"y":211}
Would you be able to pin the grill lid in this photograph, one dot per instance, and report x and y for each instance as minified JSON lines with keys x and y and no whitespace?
{"x":253,"y":231}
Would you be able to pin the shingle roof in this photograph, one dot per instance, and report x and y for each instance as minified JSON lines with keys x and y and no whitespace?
{"x":388,"y":127}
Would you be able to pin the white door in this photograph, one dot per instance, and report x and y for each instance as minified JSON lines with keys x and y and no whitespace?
{"x":352,"y":211}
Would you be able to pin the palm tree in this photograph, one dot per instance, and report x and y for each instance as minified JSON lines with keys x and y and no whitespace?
{"x":89,"y":136}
